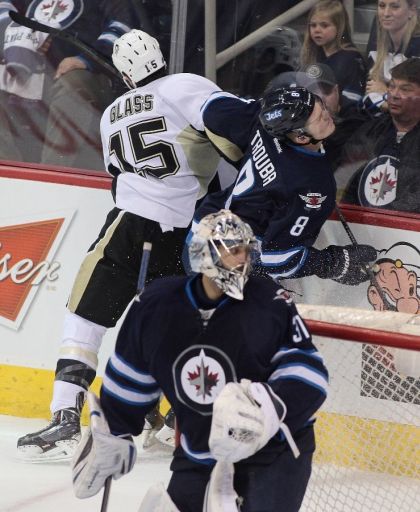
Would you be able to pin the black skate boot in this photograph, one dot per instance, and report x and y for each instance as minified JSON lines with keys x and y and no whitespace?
{"x":57,"y":441}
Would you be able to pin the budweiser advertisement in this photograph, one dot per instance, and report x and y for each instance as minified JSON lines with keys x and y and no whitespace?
{"x":27,"y":249}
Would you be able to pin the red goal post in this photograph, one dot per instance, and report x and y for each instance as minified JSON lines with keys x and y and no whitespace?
{"x":368,"y":430}
{"x":388,"y":328}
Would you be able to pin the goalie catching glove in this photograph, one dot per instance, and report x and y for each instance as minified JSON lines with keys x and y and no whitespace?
{"x":246,"y":416}
{"x":100,"y":454}
{"x":349,"y":264}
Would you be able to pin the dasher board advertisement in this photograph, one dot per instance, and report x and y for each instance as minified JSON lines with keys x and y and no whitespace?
{"x":46,"y":229}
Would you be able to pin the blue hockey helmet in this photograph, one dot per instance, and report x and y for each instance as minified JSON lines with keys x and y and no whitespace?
{"x":285,"y":109}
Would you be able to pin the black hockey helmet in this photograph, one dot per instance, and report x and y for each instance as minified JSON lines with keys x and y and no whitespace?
{"x":285,"y":109}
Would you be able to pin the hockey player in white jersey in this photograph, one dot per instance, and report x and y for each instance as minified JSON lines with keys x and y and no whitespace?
{"x":162,"y":163}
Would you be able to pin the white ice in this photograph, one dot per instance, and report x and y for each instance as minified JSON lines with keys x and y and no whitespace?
{"x":44,"y":487}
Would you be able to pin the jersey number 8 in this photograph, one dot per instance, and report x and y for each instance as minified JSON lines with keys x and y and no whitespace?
{"x":299,"y":225}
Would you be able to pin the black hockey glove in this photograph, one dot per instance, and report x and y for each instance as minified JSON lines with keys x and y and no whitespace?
{"x":347,"y":264}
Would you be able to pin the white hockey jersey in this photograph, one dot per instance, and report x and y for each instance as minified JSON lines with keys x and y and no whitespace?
{"x":154,"y":145}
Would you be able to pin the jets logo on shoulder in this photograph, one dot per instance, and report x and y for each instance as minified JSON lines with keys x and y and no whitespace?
{"x":313,"y":200}
{"x":378,"y":182}
{"x":200,"y":373}
{"x":55,"y":13}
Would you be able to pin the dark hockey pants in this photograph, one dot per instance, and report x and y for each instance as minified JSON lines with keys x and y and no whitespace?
{"x":107,"y":278}
{"x":278,"y":486}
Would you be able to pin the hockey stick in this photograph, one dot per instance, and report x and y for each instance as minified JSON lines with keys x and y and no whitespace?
{"x":345,"y":225}
{"x":147,"y":247}
{"x":70,"y":38}
{"x":105,"y":497}
{"x":353,"y":240}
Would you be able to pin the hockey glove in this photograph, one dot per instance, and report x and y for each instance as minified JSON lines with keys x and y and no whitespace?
{"x":100,"y":454}
{"x":245,"y":417}
{"x":347,"y":264}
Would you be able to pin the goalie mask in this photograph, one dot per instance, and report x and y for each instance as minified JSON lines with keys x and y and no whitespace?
{"x":137,"y":55}
{"x":214,"y":247}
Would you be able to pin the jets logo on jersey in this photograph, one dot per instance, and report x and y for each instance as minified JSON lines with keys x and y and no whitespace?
{"x":378,"y":182}
{"x":55,"y":13}
{"x":313,"y":200}
{"x":200,"y":373}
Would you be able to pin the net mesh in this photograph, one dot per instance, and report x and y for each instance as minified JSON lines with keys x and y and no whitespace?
{"x":368,"y":432}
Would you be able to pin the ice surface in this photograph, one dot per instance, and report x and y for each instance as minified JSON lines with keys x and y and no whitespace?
{"x":26,"y":487}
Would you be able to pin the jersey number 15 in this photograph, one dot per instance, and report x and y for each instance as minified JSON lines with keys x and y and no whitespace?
{"x":142,"y":151}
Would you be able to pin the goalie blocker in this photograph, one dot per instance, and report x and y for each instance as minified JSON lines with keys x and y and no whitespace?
{"x":237,"y":364}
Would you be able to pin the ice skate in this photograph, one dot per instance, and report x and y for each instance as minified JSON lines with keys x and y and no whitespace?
{"x":153,"y":423}
{"x":57,"y":441}
{"x":166,"y":435}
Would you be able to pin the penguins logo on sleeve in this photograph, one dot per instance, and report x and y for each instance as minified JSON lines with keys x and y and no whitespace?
{"x":200,"y":372}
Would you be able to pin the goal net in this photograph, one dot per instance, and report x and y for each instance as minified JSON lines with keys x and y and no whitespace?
{"x":368,"y":430}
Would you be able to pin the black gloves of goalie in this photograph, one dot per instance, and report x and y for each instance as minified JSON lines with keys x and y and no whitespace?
{"x":347,"y":264}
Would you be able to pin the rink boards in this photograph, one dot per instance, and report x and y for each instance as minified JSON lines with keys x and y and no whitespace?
{"x":47,"y":222}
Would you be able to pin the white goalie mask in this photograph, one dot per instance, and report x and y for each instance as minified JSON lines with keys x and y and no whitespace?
{"x":137,"y":55}
{"x":216,"y":240}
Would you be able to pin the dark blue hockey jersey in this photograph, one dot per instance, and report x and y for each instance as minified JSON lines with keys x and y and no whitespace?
{"x":284,"y":192}
{"x":166,"y":344}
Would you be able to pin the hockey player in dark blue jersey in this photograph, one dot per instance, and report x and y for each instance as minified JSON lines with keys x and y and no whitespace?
{"x":285,"y":188}
{"x":238,"y":365}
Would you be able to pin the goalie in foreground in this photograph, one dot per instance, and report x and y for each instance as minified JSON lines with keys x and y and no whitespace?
{"x":238,"y":366}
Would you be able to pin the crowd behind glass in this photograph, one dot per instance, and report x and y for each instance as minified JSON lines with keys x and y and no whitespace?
{"x":52,"y":96}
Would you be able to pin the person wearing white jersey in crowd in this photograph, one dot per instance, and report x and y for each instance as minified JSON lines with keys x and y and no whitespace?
{"x":161,"y":163}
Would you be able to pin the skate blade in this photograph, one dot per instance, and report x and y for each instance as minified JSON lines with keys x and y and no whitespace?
{"x":63,"y":451}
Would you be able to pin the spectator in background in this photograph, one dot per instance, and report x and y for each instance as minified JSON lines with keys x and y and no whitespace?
{"x":247,"y":73}
{"x":389,"y":147}
{"x":277,"y":53}
{"x":54,"y":97}
{"x":328,"y":40}
{"x":394,"y":37}
{"x":320,"y":79}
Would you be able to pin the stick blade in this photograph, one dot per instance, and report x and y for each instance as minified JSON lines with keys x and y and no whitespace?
{"x":70,"y":38}
{"x":20,"y":19}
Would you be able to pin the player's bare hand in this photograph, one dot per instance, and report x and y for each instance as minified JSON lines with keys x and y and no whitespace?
{"x":69,"y":64}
